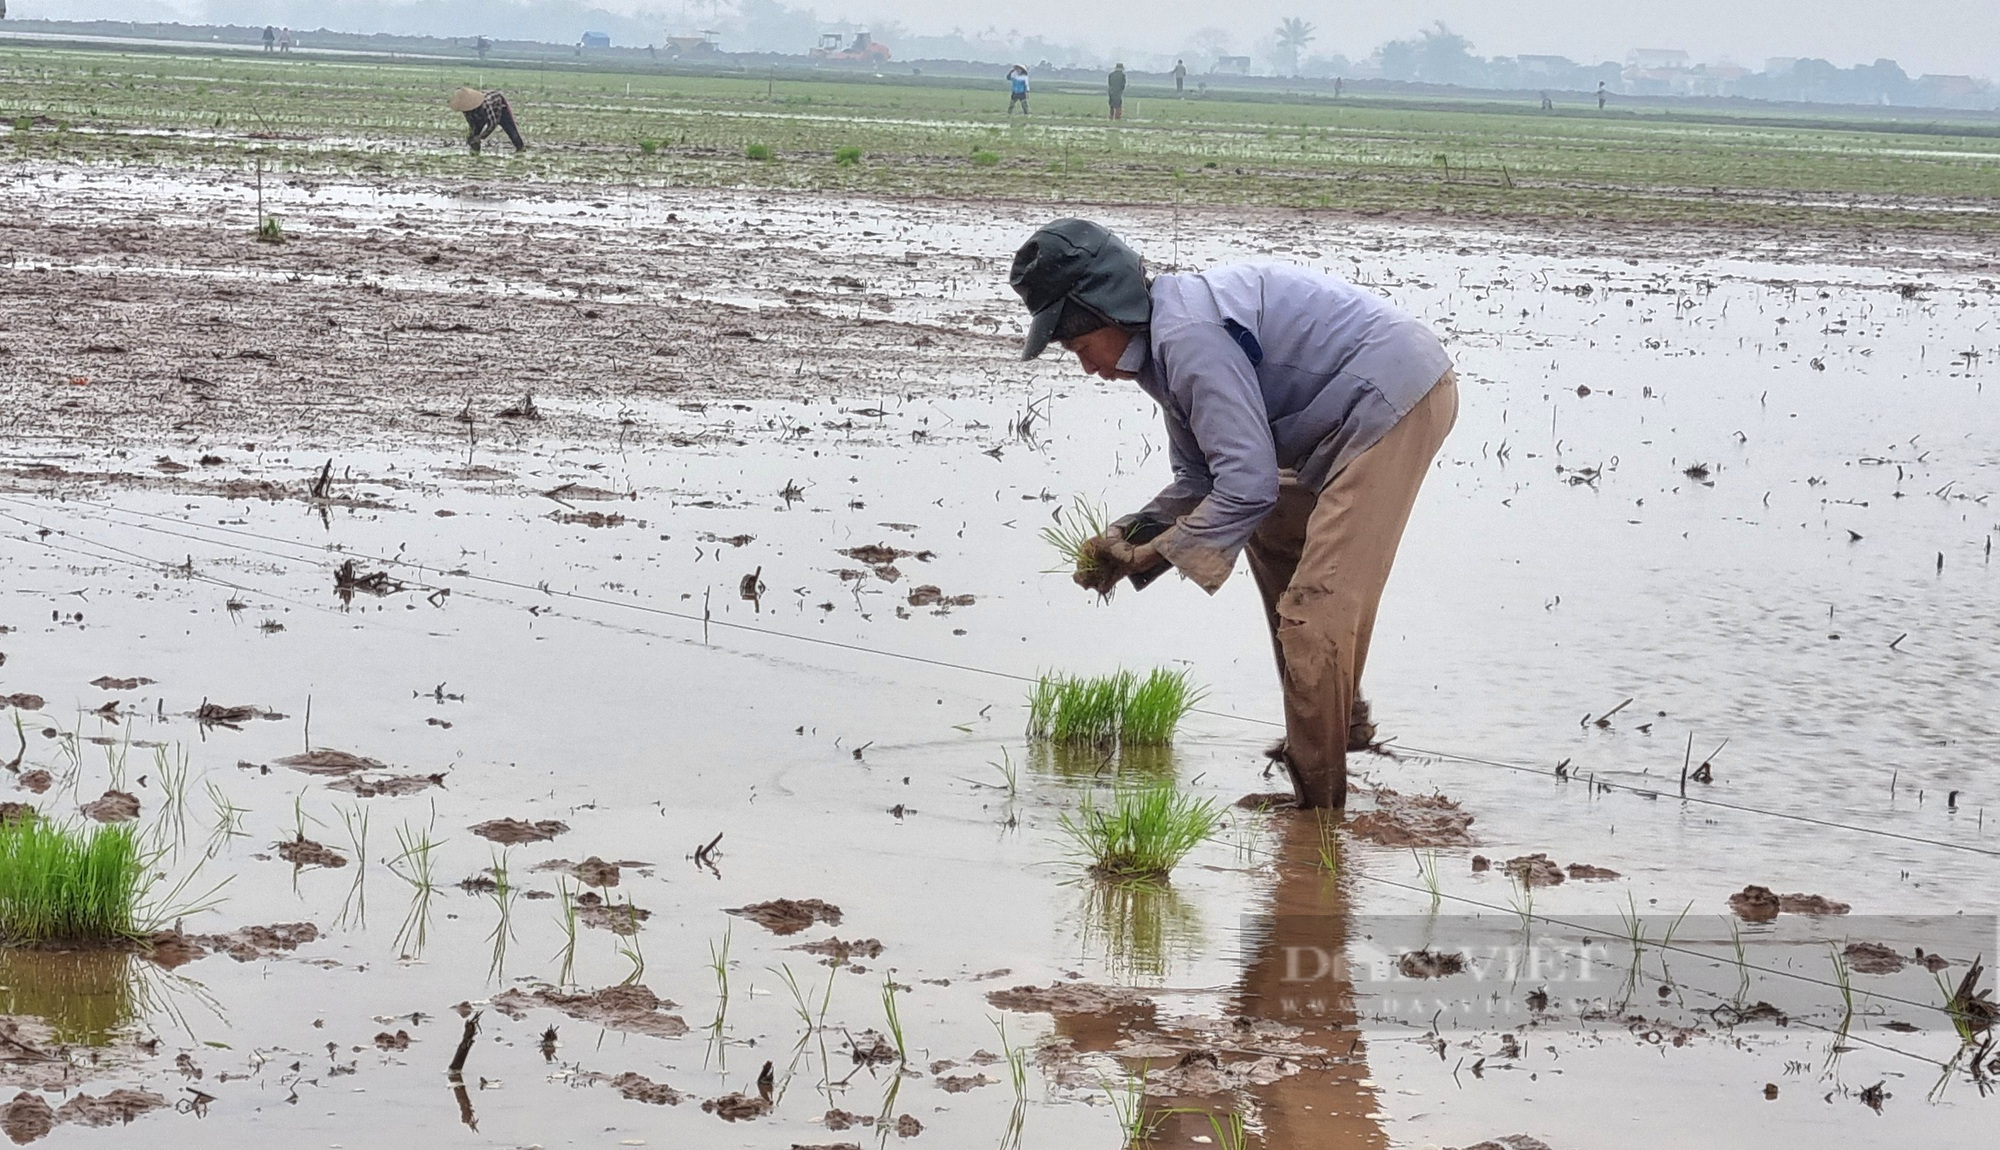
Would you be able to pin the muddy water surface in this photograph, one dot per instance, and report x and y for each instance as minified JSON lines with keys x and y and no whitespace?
{"x":1750,"y":495}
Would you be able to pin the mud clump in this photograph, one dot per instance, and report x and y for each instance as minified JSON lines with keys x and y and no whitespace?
{"x":1760,"y":904}
{"x":1584,"y":872}
{"x":619,"y":918}
{"x":397,"y":1041}
{"x":1535,"y":870}
{"x":592,"y":871}
{"x":837,"y":952}
{"x":27,"y":1118}
{"x":394,"y":785}
{"x":640,"y":1088}
{"x":632,"y":1008}
{"x":737,"y":1107}
{"x":335,"y":763}
{"x":37,"y":781}
{"x":931,"y":596}
{"x":109,"y":683}
{"x":959,"y":1084}
{"x":11,"y":813}
{"x":874,"y":554}
{"x":112,"y":807}
{"x":247,"y":944}
{"x":119,"y":1106}
{"x":789,"y":916}
{"x":510,"y":832}
{"x":217,"y":715}
{"x":1872,"y":958}
{"x":23,"y":702}
{"x":1511,"y":1142}
{"x":1068,"y":998}
{"x":302,"y":851}
{"x":872,"y":1048}
{"x":907,"y":1126}
{"x":1430,"y":964}
{"x":1400,"y":820}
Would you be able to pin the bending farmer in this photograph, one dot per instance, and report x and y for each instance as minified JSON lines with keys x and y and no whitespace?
{"x":1302,"y":414}
{"x":485,"y":111}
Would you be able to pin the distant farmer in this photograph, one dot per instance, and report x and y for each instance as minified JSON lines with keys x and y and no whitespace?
{"x":270,"y":38}
{"x":485,"y":111}
{"x":1017,"y":84}
{"x":1548,"y":105}
{"x":1600,"y":95}
{"x":1339,"y":82}
{"x":1302,"y":415}
{"x":482,"y":45}
{"x":1180,"y":77}
{"x":1118,"y":92}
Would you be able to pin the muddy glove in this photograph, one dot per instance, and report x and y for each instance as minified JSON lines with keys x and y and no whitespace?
{"x":1123,"y":551}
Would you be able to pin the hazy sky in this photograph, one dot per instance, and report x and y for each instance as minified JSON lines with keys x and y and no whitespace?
{"x":1957,"y":36}
{"x":1923,"y":35}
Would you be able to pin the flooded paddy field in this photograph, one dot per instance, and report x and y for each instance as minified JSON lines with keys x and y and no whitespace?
{"x":602,"y":625}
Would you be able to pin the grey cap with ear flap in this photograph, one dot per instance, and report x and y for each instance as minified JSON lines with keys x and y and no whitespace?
{"x":1078,"y":266}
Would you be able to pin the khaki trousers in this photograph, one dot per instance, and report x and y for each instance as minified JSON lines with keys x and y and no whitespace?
{"x":1321,"y":559}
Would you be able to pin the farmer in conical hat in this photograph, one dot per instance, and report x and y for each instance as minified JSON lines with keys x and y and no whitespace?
{"x":1302,"y":414}
{"x":485,"y":111}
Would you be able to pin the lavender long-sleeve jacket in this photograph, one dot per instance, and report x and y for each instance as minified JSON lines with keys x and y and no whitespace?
{"x":1260,"y":368}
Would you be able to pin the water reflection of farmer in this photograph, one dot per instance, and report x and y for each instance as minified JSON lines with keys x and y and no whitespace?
{"x":485,"y":111}
{"x":1302,"y":414}
{"x":1293,"y":975}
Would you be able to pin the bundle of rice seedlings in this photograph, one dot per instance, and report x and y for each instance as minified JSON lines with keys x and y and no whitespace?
{"x":1083,"y":709}
{"x":1155,"y":708}
{"x":1073,"y":536}
{"x":1143,"y":834}
{"x":64,"y":884}
{"x":1106,"y":710}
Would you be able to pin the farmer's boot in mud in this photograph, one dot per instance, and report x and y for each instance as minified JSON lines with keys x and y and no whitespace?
{"x":1330,"y":794}
{"x":1360,"y":726}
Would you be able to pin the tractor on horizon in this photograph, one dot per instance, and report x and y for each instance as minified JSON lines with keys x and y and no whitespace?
{"x":864,"y":50}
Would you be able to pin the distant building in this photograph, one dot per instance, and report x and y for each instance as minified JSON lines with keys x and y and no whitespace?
{"x":1237,"y":64}
{"x":596,"y":40}
{"x":1778,"y":67}
{"x":1658,"y":58}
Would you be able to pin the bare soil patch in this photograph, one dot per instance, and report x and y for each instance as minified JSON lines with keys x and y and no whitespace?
{"x":631,"y":1008}
{"x":113,"y":807}
{"x":1400,"y":820}
{"x":789,"y":916}
{"x":302,"y":851}
{"x":510,"y":832}
{"x":1760,"y":904}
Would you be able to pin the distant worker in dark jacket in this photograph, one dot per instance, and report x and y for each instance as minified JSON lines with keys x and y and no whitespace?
{"x":1118,"y":92}
{"x":1017,"y":89}
{"x":485,"y":111}
{"x":1302,"y":416}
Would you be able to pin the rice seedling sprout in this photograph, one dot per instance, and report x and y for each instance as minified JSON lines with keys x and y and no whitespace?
{"x":1143,"y":834}
{"x":1017,"y":1061}
{"x":895,"y":1021}
{"x":567,"y":919}
{"x":1427,"y":869}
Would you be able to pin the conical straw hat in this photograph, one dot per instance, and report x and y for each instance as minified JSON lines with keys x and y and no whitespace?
{"x":466,"y":99}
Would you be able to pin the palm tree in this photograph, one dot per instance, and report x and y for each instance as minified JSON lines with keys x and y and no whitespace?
{"x":1293,"y":36}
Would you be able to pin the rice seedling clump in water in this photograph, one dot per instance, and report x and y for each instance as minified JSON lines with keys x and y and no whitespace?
{"x":1102,"y":710}
{"x":61,"y":884}
{"x":1143,"y":834}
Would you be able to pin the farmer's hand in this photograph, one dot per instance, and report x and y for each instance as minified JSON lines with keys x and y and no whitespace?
{"x":1114,"y":559}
